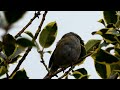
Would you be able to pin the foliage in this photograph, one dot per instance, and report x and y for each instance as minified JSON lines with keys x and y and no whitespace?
{"x":106,"y":62}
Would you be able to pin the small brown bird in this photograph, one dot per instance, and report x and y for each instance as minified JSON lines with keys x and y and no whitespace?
{"x":68,"y":51}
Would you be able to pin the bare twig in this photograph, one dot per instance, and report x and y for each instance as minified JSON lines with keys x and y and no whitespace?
{"x":42,"y":61}
{"x":29,"y":49}
{"x":21,"y":31}
{"x":66,"y":73}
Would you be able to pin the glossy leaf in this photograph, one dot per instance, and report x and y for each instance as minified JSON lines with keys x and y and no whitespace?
{"x":48,"y":35}
{"x":110,"y":16}
{"x":102,"y":21}
{"x":21,"y":74}
{"x":29,"y":33}
{"x":80,"y":74}
{"x":92,"y":44}
{"x":3,"y":70}
{"x":8,"y":44}
{"x":24,"y":42}
{"x":109,"y":38}
{"x":103,"y":70}
{"x":13,"y":16}
{"x":104,"y":57}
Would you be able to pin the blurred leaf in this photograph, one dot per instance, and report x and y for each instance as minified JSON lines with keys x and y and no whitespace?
{"x":29,"y":33}
{"x":3,"y":70}
{"x":48,"y":35}
{"x":21,"y":74}
{"x":8,"y":44}
{"x":80,"y":74}
{"x":113,"y":31}
{"x":92,"y":44}
{"x":3,"y":56}
{"x":25,"y":42}
{"x":49,"y":52}
{"x":104,"y":57}
{"x":103,"y":70}
{"x":114,"y":67}
{"x":18,"y":50}
{"x":117,"y":24}
{"x":109,"y":49}
{"x":109,"y":38}
{"x":14,"y":59}
{"x":111,"y":25}
{"x":0,"y":44}
{"x":110,"y":16}
{"x":104,"y":44}
{"x":102,"y":21}
{"x":13,"y":16}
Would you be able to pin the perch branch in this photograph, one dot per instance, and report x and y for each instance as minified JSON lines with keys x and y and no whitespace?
{"x":62,"y":69}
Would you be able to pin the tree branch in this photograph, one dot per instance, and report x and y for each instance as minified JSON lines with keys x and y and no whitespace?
{"x":35,"y":16}
{"x":29,"y":49}
{"x":66,"y":73}
{"x":62,"y":69}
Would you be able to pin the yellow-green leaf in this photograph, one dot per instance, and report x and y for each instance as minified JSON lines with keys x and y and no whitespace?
{"x":48,"y":35}
{"x":103,"y":70}
{"x":92,"y":44}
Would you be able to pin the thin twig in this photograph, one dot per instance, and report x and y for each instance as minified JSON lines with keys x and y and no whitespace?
{"x":21,"y":31}
{"x":66,"y":73}
{"x":29,"y":49}
{"x":62,"y":69}
{"x":43,"y":62}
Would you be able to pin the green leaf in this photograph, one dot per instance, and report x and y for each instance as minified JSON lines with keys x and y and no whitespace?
{"x":110,"y":16}
{"x":48,"y":35}
{"x":104,"y":57}
{"x":3,"y":70}
{"x":102,"y":21}
{"x":92,"y":44}
{"x":113,"y":31}
{"x":109,"y":38}
{"x":13,"y":16}
{"x":24,"y":42}
{"x":21,"y":74}
{"x":103,"y":70}
{"x":14,"y":59}
{"x":19,"y":49}
{"x":114,"y":68}
{"x":80,"y":74}
{"x":8,"y":44}
{"x":29,"y":33}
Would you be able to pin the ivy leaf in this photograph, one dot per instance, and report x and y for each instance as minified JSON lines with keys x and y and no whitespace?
{"x":103,"y":70}
{"x":13,"y":16}
{"x":104,"y":57}
{"x":8,"y":44}
{"x":24,"y":42}
{"x":48,"y":35}
{"x":21,"y":74}
{"x":3,"y":70}
{"x":110,"y":16}
{"x":92,"y":44}
{"x":29,"y":33}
